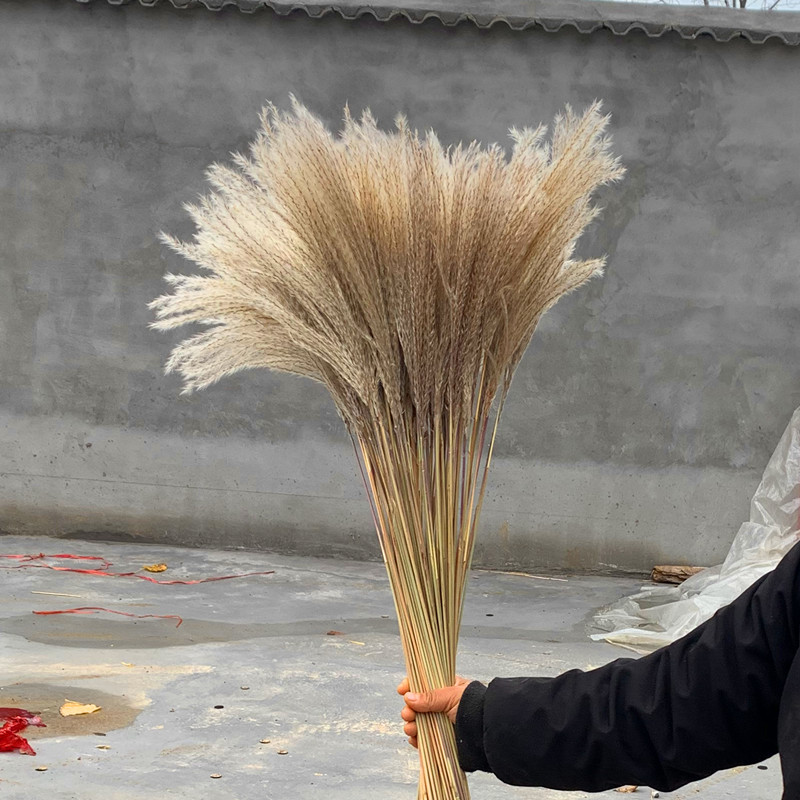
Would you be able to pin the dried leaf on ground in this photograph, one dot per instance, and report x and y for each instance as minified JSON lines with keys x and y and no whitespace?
{"x":155,"y":568}
{"x":74,"y":709}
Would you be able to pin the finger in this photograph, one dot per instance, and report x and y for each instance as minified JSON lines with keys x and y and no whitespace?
{"x":437,"y":700}
{"x":410,"y":729}
{"x":412,"y":740}
{"x":403,"y":687}
{"x":408,"y":714}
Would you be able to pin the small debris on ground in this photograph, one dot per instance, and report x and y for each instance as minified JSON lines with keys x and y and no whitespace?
{"x":155,"y":568}
{"x":283,"y":752}
{"x":335,"y":633}
{"x":627,"y":789}
{"x":528,"y":575}
{"x":244,"y":688}
{"x":353,"y":641}
{"x":97,"y":609}
{"x":216,"y":775}
{"x":102,"y":747}
{"x":103,"y":564}
{"x":673,"y":573}
{"x":41,"y":769}
{"x":72,"y":709}
{"x":263,"y":741}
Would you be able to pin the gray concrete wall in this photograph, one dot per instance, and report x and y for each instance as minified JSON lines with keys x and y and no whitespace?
{"x":645,"y":409}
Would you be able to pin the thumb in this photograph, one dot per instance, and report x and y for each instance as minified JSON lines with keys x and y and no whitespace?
{"x":437,"y":700}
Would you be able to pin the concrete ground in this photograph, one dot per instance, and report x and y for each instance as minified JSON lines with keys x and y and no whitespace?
{"x":250,"y":687}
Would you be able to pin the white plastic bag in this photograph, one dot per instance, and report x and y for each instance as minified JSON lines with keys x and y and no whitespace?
{"x":660,"y":614}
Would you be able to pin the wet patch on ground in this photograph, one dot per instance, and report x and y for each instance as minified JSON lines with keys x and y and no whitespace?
{"x":46,"y":699}
{"x":96,"y":631}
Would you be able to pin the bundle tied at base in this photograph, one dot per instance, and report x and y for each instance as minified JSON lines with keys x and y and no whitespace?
{"x":408,"y":278}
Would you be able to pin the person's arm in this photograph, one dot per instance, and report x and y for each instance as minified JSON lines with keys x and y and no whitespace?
{"x":706,"y":702}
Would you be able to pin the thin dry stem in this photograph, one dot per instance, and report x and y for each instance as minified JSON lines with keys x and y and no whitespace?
{"x":408,"y":278}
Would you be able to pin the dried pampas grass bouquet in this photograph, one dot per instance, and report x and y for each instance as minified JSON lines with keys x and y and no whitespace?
{"x":408,"y":278}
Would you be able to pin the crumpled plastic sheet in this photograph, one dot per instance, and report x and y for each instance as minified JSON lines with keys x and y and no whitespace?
{"x":659,"y":614}
{"x":15,"y":721}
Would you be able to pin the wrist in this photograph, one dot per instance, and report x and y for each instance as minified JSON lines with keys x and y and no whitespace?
{"x":469,"y":729}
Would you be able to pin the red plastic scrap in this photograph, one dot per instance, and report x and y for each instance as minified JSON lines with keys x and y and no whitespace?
{"x":29,"y":717}
{"x":9,"y":741}
{"x":16,"y":720}
{"x":26,"y":561}
{"x":95,"y":609}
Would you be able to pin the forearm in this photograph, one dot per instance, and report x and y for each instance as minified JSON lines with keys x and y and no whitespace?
{"x":706,"y":702}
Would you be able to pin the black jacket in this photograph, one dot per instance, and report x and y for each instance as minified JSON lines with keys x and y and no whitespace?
{"x":725,"y":695}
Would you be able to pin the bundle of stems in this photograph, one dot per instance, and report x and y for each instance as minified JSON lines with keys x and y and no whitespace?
{"x":408,"y":278}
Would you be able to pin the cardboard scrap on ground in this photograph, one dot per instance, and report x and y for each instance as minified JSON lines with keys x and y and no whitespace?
{"x":73,"y":709}
{"x":673,"y":573}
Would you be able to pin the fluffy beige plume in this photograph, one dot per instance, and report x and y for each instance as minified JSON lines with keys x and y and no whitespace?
{"x":408,"y":278}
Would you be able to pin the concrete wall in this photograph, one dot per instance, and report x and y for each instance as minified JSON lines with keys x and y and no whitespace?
{"x":645,"y":409}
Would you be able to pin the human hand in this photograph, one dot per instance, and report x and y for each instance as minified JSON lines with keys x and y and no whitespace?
{"x":443,"y":700}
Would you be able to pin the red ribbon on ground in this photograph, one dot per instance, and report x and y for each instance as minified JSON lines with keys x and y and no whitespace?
{"x":103,"y":570}
{"x":95,"y":609}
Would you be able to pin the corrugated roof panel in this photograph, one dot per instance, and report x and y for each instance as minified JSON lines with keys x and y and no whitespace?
{"x":655,"y":20}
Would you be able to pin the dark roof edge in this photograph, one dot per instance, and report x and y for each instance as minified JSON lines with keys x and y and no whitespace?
{"x":723,"y":24}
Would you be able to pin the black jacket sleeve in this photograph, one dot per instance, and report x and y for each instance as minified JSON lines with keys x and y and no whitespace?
{"x":707,"y":702}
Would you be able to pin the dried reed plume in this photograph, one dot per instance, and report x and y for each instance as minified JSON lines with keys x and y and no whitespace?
{"x":408,"y":278}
